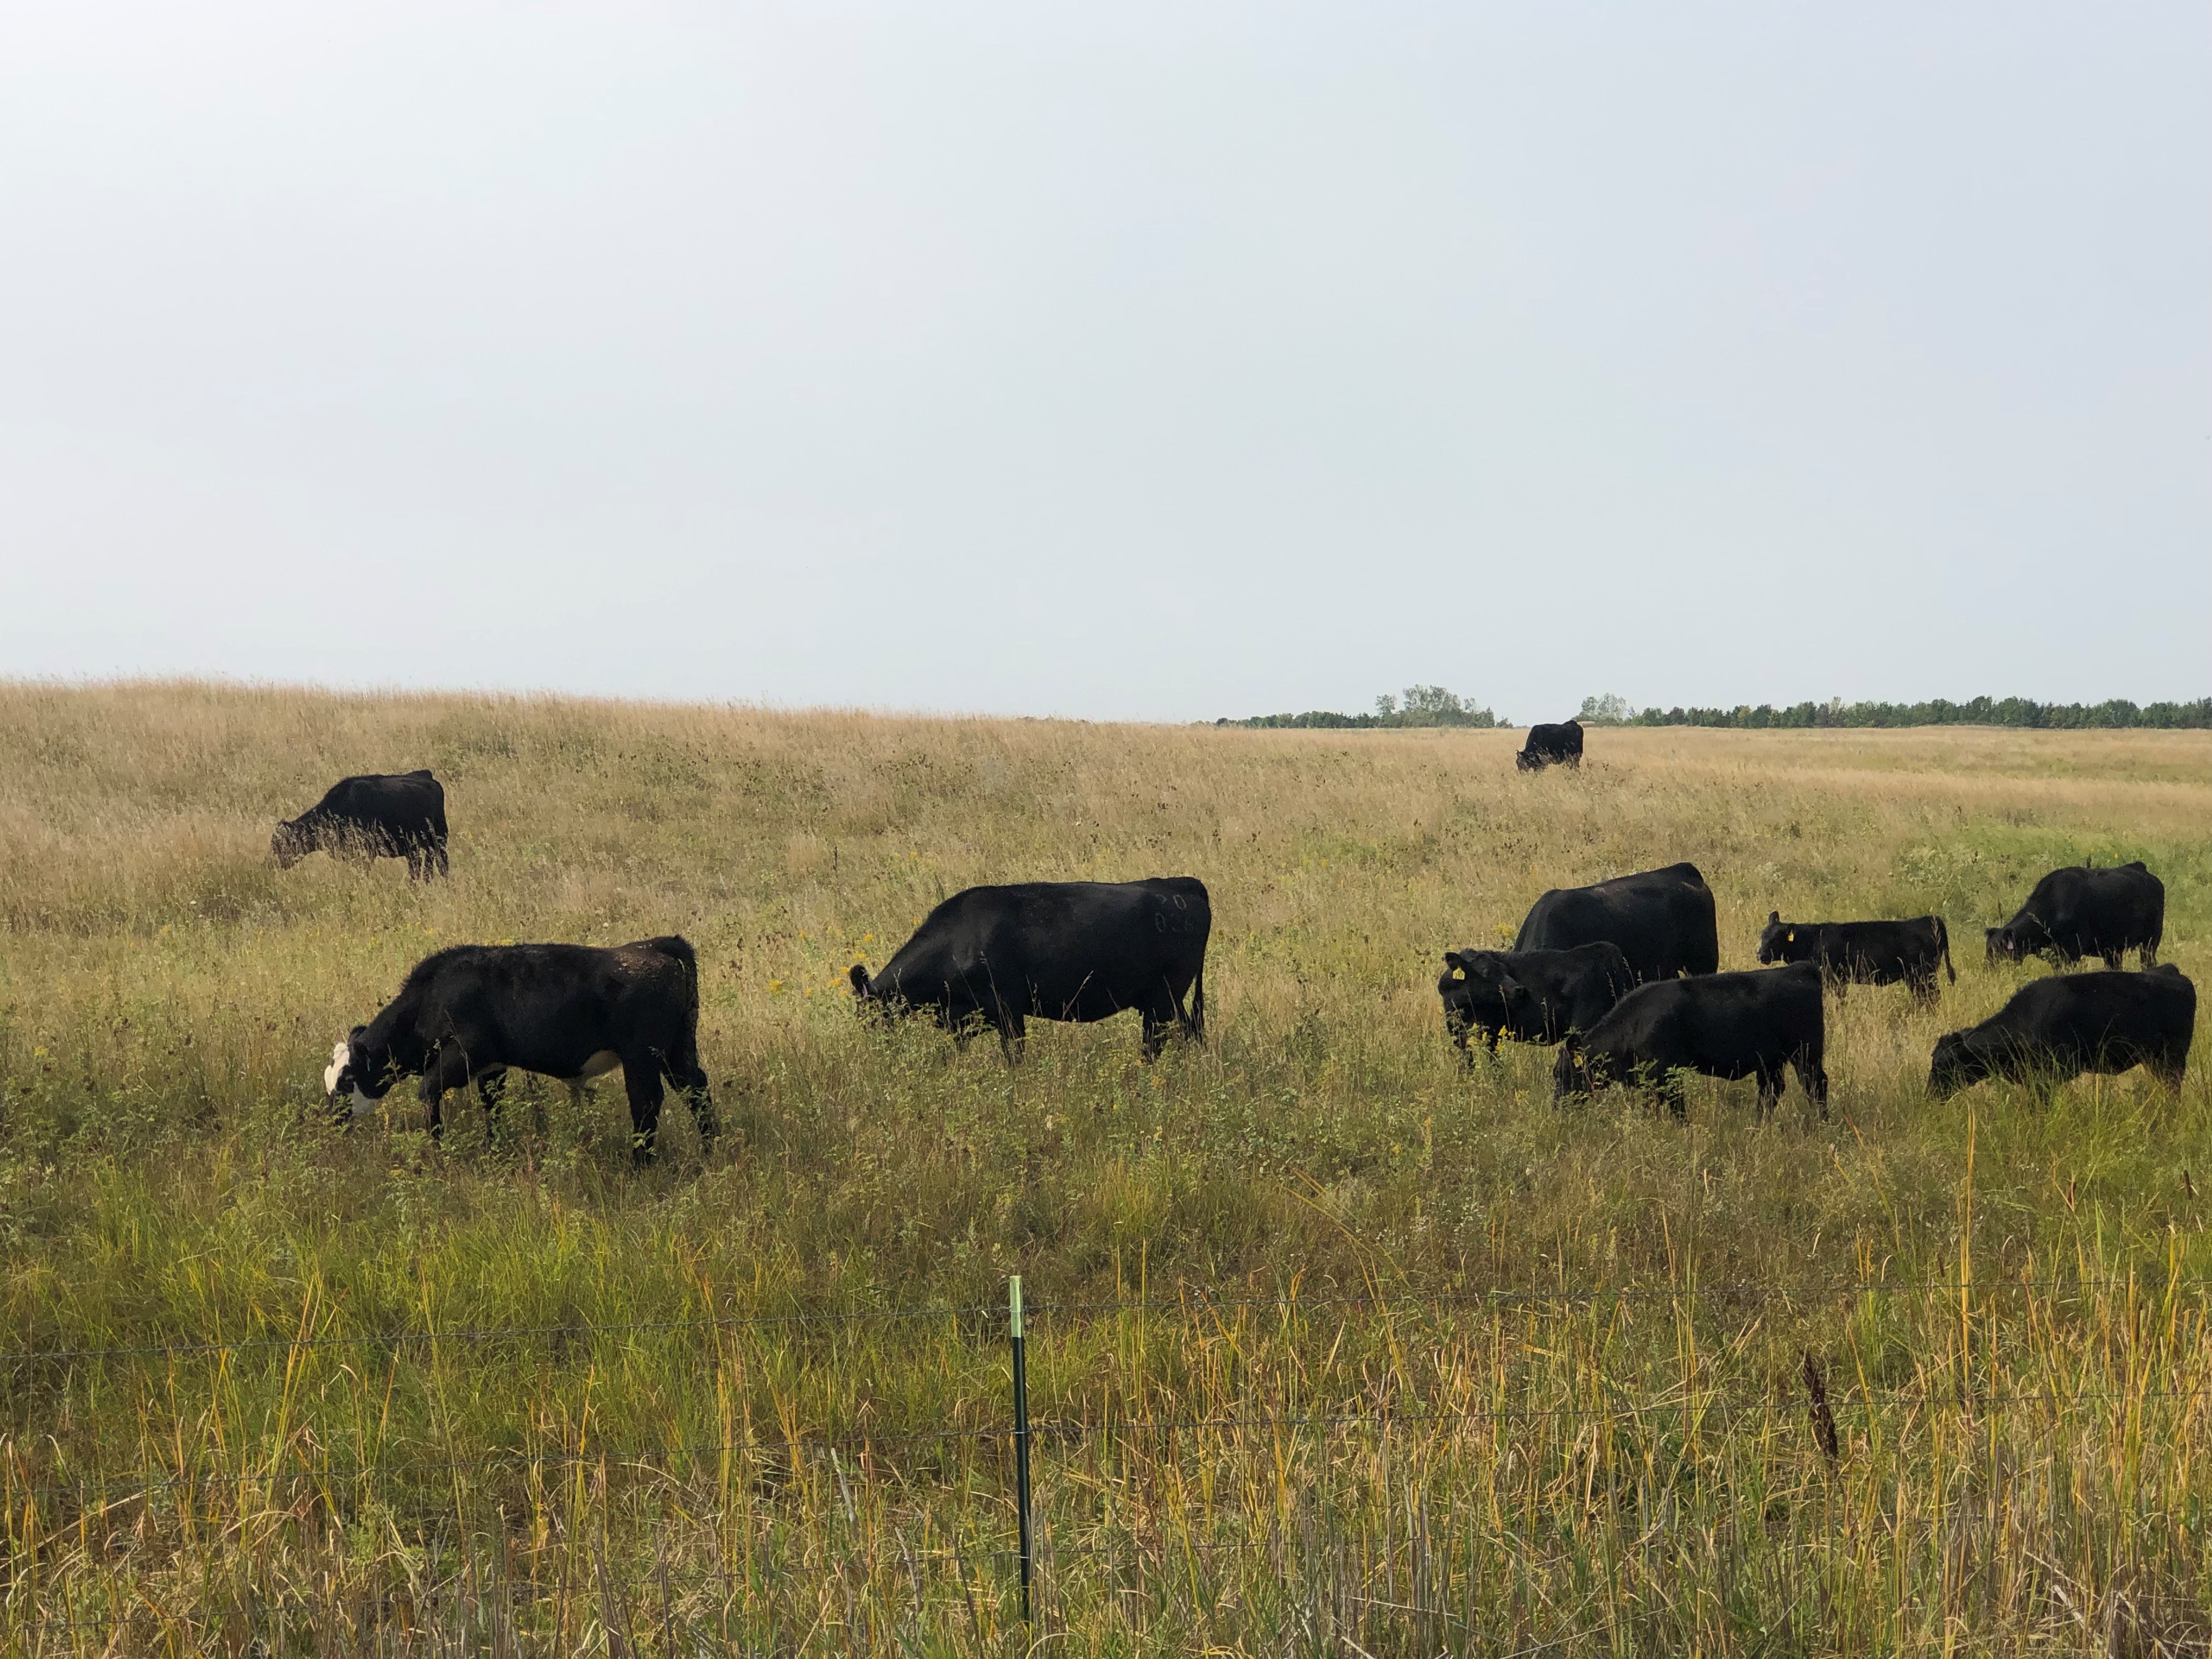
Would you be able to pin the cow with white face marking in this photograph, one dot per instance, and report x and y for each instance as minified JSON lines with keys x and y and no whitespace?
{"x":570,"y":1011}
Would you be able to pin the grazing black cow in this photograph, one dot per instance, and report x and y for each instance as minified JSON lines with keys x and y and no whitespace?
{"x":1054,"y":950}
{"x":1552,"y":745}
{"x":1661,"y":919}
{"x":1864,"y":952}
{"x":1727,"y":1025}
{"x":1531,"y":996}
{"x":571,"y":1011}
{"x":2083,"y":912}
{"x":2056,"y":1029}
{"x":383,"y":815}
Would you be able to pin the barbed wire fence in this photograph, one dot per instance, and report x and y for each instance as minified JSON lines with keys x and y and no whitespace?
{"x":1021,"y":1434}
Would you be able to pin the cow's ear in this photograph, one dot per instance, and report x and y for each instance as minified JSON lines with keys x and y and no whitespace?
{"x":1774,"y":918}
{"x":357,"y":1034}
{"x":859,"y":975}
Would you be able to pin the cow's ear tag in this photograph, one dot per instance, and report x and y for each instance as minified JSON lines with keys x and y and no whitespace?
{"x":1792,"y":936}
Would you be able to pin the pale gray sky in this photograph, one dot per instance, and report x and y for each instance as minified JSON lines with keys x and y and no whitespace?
{"x":1166,"y":361}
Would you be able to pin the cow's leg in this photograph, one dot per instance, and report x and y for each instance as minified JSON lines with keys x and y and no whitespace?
{"x":2112,"y":958}
{"x":1014,"y":1035}
{"x":1490,"y":1035}
{"x":438,"y":852}
{"x":1156,"y":1035}
{"x":1924,"y":988}
{"x":449,"y":1069}
{"x":683,"y":1070}
{"x":1769,"y":1091}
{"x":490,"y":1087}
{"x":1667,"y":1087}
{"x":641,"y":1081}
{"x":1813,"y":1077}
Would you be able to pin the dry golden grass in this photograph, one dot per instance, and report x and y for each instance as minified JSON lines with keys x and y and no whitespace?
{"x":1615,"y":1456}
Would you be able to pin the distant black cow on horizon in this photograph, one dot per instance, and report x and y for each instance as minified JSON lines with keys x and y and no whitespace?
{"x":1077,"y":950}
{"x":1662,"y":921}
{"x":2082,"y":911}
{"x":2056,"y":1029}
{"x":1864,"y":952}
{"x":379,"y":815}
{"x":1552,"y":745}
{"x":570,"y":1011}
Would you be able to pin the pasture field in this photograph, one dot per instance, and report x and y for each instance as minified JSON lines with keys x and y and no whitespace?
{"x":1336,"y":1347}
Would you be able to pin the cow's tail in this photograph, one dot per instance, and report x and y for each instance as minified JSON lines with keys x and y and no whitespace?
{"x":1943,"y":940}
{"x":676,"y":946}
{"x":1198,"y":1003}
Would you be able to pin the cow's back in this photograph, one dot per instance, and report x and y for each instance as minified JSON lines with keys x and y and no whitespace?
{"x":394,"y":799}
{"x":1057,"y":942}
{"x":1663,"y":921}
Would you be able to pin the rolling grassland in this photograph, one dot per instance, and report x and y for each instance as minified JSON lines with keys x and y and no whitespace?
{"x":1336,"y":1347}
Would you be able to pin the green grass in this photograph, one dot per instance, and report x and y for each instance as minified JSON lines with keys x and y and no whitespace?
{"x":1427,"y":1364}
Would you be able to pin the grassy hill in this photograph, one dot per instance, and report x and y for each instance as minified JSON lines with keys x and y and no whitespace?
{"x":1424,"y":1362}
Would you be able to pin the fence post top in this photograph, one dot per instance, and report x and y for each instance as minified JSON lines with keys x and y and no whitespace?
{"x":1014,"y":1304}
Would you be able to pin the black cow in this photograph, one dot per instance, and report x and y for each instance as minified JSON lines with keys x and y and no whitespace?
{"x":1054,"y":950}
{"x":1727,"y":1025}
{"x":1864,"y":952}
{"x":2081,"y":912}
{"x":2058,"y":1028}
{"x":1552,"y":745}
{"x":382,"y":815}
{"x":1531,"y":996}
{"x":1661,"y":919}
{"x":571,"y":1011}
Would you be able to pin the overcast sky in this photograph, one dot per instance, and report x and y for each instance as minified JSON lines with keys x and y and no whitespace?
{"x":1112,"y":360}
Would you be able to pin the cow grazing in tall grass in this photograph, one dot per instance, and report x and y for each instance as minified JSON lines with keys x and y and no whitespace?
{"x":2083,"y":911}
{"x":398,"y":815}
{"x":571,"y":1011}
{"x":1054,"y":950}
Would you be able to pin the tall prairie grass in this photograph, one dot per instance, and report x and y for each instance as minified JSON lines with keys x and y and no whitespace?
{"x":1342,"y":1348}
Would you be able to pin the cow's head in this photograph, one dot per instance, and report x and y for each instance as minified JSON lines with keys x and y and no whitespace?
{"x":363,"y":1068}
{"x":2017,"y":940}
{"x":1778,"y":941}
{"x":1955,"y":1065}
{"x":874,"y":1000}
{"x":1472,"y":987}
{"x":290,"y":843}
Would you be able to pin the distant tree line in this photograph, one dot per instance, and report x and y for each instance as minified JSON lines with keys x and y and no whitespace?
{"x":1431,"y":705}
{"x":1975,"y":711}
{"x":1419,"y":705}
